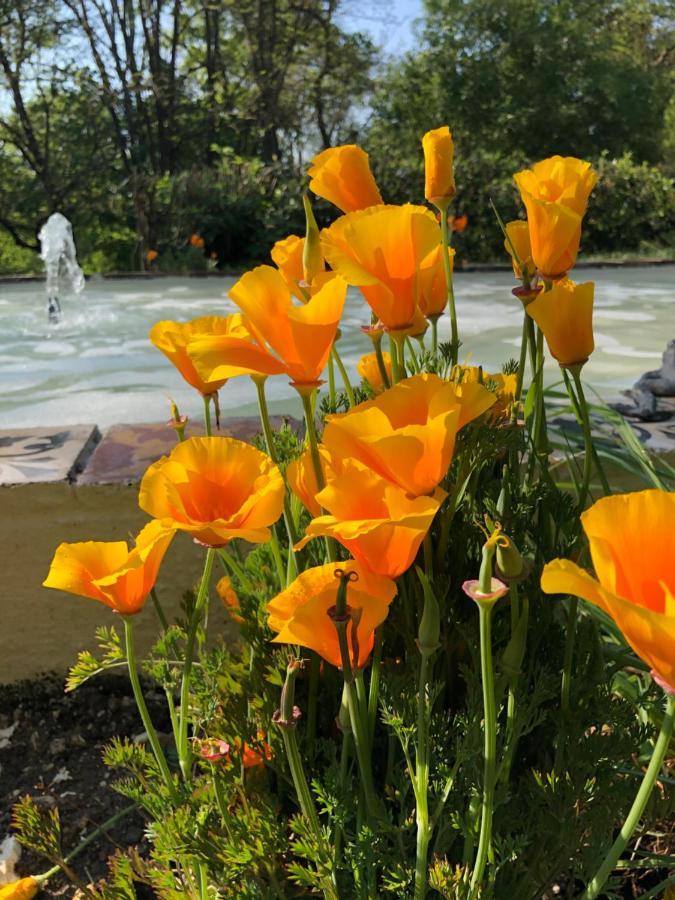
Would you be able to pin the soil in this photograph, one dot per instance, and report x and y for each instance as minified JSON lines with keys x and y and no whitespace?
{"x":54,"y":755}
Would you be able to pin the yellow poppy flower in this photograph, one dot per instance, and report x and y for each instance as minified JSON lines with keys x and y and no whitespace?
{"x":301,"y":478}
{"x":407,"y":434}
{"x":23,"y":889}
{"x":216,"y":489}
{"x":172,"y":338}
{"x":230,"y":600}
{"x":632,"y":543}
{"x":382,"y":251}
{"x":555,"y":193}
{"x":342,"y":175}
{"x":565,"y":315}
{"x":111,"y":572}
{"x":505,"y":384}
{"x":369,"y":370}
{"x":300,"y":613}
{"x":376,"y":521}
{"x":518,"y":237}
{"x":439,"y":176}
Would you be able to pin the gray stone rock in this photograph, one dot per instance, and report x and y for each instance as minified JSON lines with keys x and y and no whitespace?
{"x":659,"y":383}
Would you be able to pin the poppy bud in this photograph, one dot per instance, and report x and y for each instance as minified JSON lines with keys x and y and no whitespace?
{"x":312,"y":257}
{"x":430,"y":623}
{"x":510,"y":563}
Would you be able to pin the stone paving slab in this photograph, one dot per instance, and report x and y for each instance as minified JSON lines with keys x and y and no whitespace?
{"x":126,"y":451}
{"x":30,"y":455}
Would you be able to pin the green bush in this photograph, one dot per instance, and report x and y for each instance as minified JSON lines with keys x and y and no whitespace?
{"x":16,"y":260}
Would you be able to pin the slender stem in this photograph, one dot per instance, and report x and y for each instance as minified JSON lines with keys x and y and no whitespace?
{"x":413,"y":356}
{"x":524,"y":340}
{"x":434,"y":334}
{"x":490,"y":714}
{"x":143,"y":709}
{"x":588,"y":439}
{"x":397,"y":366}
{"x":97,"y":832}
{"x":158,"y":609}
{"x":422,"y":779}
{"x":384,"y":375}
{"x":349,"y":391}
{"x":207,"y":414}
{"x":445,"y":244}
{"x":184,"y":753}
{"x":231,"y":564}
{"x":569,"y":654}
{"x":278,"y":561}
{"x":313,"y":440}
{"x":374,"y":686}
{"x":637,"y":809}
{"x":331,"y":381}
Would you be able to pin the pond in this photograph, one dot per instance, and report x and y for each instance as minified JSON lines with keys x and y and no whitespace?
{"x":97,"y":365}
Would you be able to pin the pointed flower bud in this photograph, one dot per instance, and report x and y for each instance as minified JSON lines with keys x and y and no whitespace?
{"x":312,"y":257}
{"x":430,"y":623}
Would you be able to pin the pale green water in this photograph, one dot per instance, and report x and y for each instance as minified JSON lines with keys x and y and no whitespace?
{"x":98,"y":366}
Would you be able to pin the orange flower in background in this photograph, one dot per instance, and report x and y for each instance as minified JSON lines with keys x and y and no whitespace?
{"x":253,"y":755}
{"x":197,"y":240}
{"x":23,"y":889}
{"x":300,"y":613}
{"x":505,"y":386}
{"x":459,"y":223}
{"x":173,"y":338}
{"x":369,"y":370}
{"x":376,"y":521}
{"x":302,"y":478}
{"x":151,"y":256}
{"x":555,"y":193}
{"x":439,"y":176}
{"x":565,"y":315}
{"x":216,"y":489}
{"x":230,"y":600}
{"x":433,"y":290}
{"x":342,"y":175}
{"x":382,"y":251}
{"x":407,"y":434}
{"x":632,"y":543}
{"x":302,"y":336}
{"x":111,"y":572}
{"x":518,"y":238}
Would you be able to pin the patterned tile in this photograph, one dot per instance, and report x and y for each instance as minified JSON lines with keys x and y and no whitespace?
{"x":126,"y":451}
{"x":45,"y":454}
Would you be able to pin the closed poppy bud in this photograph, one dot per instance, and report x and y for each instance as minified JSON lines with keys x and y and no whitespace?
{"x":23,"y":889}
{"x":555,"y":193}
{"x":369,"y":370}
{"x":510,"y":564}
{"x":565,"y":315}
{"x":312,"y":257}
{"x":439,"y":176}
{"x":430,"y":623}
{"x":342,"y":175}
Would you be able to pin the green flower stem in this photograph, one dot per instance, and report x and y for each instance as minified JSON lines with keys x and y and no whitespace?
{"x":269,"y":443}
{"x":143,"y":709}
{"x":397,"y":343}
{"x":374,"y":686}
{"x":316,"y":459}
{"x":595,"y":885}
{"x":413,"y":356}
{"x":580,"y":419}
{"x":566,"y":682}
{"x":384,"y":375}
{"x":331,"y":380}
{"x":202,"y":874}
{"x":97,"y":832}
{"x":588,"y":437}
{"x":207,"y":414}
{"x":445,"y":242}
{"x":524,"y":343}
{"x":231,"y":565}
{"x":278,"y":561}
{"x":510,"y":740}
{"x":490,"y":752}
{"x":349,"y":391}
{"x":221,"y":800}
{"x":184,"y":752}
{"x":434,"y":334}
{"x":158,"y":609}
{"x":422,"y":780}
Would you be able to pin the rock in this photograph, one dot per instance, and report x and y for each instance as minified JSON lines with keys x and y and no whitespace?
{"x":650,"y":386}
{"x":57,"y":746}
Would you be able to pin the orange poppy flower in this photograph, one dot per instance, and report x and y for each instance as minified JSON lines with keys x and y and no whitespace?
{"x":197,"y":240}
{"x":216,"y":489}
{"x":376,"y":521}
{"x":518,"y":237}
{"x":565,"y":315}
{"x":369,"y":370}
{"x":23,"y":889}
{"x":300,"y":613}
{"x":407,"y":434}
{"x":301,"y":335}
{"x":173,"y":338}
{"x":342,"y":175}
{"x":111,"y":572}
{"x":433,"y":289}
{"x":632,"y":544}
{"x":459,"y":223}
{"x":254,"y":754}
{"x":151,"y":256}
{"x":287,"y":257}
{"x":439,"y":176}
{"x":555,"y":193}
{"x":230,"y":600}
{"x":302,"y":478}
{"x":382,"y":251}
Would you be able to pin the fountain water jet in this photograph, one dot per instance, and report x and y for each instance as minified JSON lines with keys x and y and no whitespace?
{"x":57,"y":250}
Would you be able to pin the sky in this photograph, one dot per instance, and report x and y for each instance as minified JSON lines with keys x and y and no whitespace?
{"x":391,"y":23}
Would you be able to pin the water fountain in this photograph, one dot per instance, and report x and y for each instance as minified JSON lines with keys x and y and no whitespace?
{"x":57,"y":250}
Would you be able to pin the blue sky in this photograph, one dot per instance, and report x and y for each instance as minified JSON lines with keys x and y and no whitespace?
{"x":389,"y":22}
